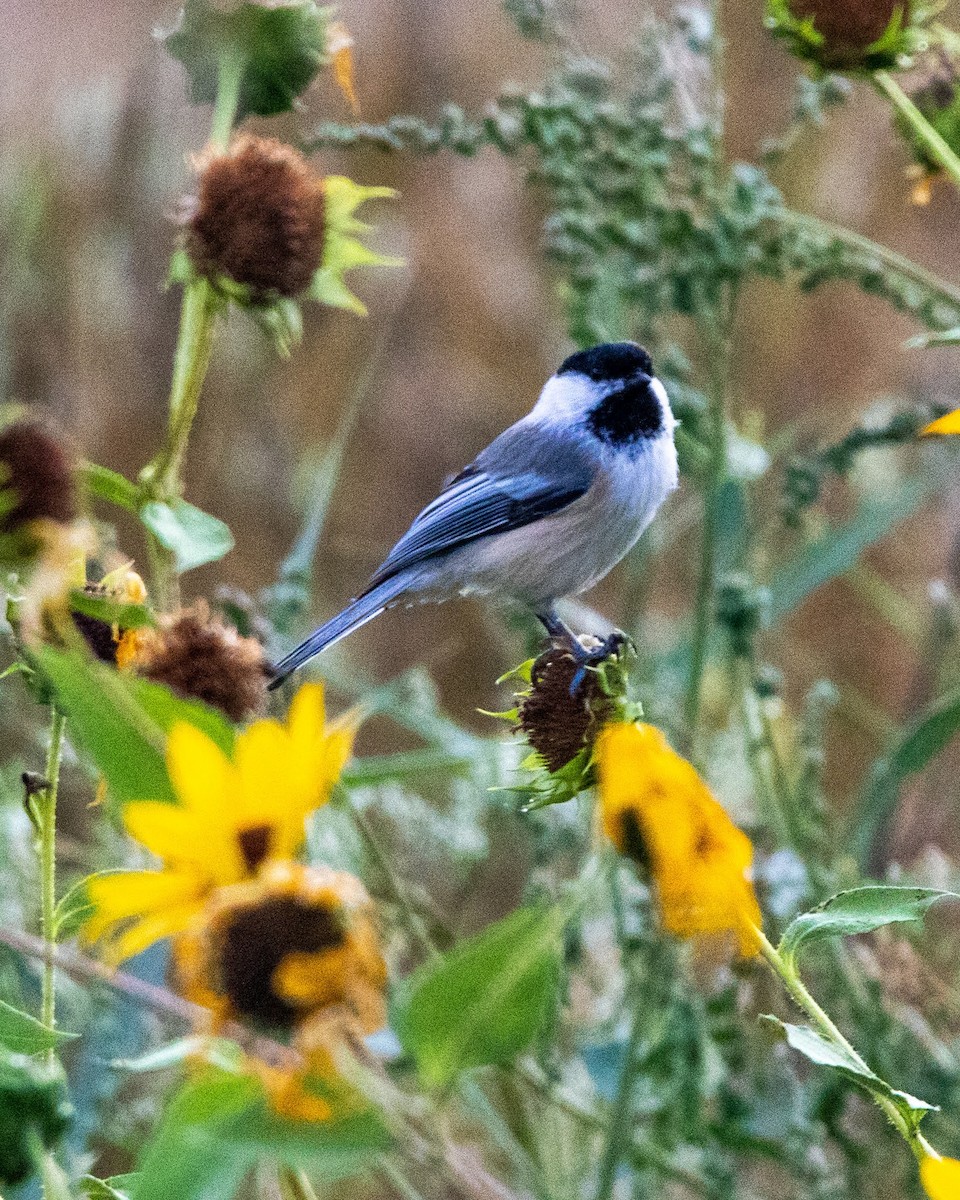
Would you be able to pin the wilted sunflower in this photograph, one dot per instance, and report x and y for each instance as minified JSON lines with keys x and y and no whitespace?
{"x":656,"y":809}
{"x":233,"y":814}
{"x":288,"y":945}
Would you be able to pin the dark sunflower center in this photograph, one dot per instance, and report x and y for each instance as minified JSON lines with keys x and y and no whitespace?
{"x":256,"y":940}
{"x":255,"y":845}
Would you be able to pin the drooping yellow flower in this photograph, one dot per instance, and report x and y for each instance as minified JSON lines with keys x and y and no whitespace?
{"x":940,"y":1178}
{"x":295,"y":944}
{"x":234,"y":813}
{"x":656,"y":809}
{"x":950,"y":423}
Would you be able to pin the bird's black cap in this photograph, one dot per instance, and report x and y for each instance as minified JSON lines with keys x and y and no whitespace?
{"x":608,"y":362}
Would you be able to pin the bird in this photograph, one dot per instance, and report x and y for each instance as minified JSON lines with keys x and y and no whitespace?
{"x":544,"y":512}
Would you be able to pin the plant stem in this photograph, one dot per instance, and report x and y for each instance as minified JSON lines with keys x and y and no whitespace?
{"x":795,"y":986}
{"x":47,"y":833}
{"x":618,"y":1141}
{"x":932,"y":141}
{"x":161,"y":479}
{"x":705,"y":604}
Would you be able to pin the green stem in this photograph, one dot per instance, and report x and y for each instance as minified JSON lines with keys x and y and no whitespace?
{"x":230,"y":76}
{"x":803,"y":999}
{"x":817,"y":228}
{"x":932,"y":141}
{"x":705,"y":603}
{"x":47,"y":829}
{"x":618,"y":1141}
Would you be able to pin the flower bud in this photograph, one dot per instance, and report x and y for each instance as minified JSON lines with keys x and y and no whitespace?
{"x":258,"y":218}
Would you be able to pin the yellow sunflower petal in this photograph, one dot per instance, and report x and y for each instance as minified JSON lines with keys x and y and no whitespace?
{"x":940,"y":1178}
{"x":947,"y":424}
{"x":200,"y":772}
{"x":265,"y":774}
{"x":150,"y":929}
{"x":134,"y":893}
{"x":169,"y":831}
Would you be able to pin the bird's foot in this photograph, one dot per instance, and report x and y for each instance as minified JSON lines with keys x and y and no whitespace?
{"x":596,"y":651}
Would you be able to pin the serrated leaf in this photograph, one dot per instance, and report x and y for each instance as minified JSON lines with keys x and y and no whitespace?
{"x":824,"y":1053}
{"x":194,"y":537}
{"x":858,"y":910}
{"x":281,"y":48}
{"x":24,"y":1034}
{"x":484,"y":1001}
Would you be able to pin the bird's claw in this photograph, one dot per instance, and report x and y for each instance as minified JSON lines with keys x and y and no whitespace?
{"x":588,"y":657}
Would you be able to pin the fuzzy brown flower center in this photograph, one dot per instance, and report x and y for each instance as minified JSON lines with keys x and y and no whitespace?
{"x":557,"y":724}
{"x":37,"y":475}
{"x":259,"y":218}
{"x":255,"y":940}
{"x":255,"y":845}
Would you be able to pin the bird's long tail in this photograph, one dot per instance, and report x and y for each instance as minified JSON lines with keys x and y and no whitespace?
{"x":357,"y":613}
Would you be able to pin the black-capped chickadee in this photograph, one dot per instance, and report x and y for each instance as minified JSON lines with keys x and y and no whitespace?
{"x":545,"y":511}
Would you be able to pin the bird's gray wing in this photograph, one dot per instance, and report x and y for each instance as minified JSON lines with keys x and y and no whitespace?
{"x":519,"y":478}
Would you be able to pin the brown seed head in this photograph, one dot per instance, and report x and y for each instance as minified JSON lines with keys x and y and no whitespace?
{"x":259,"y":218}
{"x":294,"y":942}
{"x":36,"y":472}
{"x":849,"y":27}
{"x":557,"y":724}
{"x":200,"y":658}
{"x":96,"y":633}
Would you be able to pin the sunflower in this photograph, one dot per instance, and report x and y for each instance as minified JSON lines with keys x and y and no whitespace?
{"x":234,"y":813}
{"x":940,"y":1177}
{"x":656,"y":809}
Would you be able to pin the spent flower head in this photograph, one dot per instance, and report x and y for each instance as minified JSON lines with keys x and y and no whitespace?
{"x":851,"y":35}
{"x":288,"y":946}
{"x":235,"y":812}
{"x":201,"y":658}
{"x":121,"y":591}
{"x":560,"y":708}
{"x":656,"y":810}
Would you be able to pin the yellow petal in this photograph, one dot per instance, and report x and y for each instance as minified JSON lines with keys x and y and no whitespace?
{"x":940,"y":1178}
{"x":169,"y":831}
{"x":145,"y":932}
{"x":265,"y":773}
{"x":340,"y":49}
{"x":134,"y":893}
{"x":200,"y":772}
{"x":947,"y":424}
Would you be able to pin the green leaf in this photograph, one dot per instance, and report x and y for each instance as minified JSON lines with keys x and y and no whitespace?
{"x":115,"y":1188}
{"x":828,"y":1054}
{"x":110,"y":486}
{"x":194,"y":537}
{"x":485,"y":1001}
{"x":121,"y":723}
{"x":922,"y":741}
{"x":220,"y":1124}
{"x":838,"y":549}
{"x":185,"y":1158}
{"x":282,"y":46}
{"x":24,"y":1034}
{"x":859,"y":910}
{"x":218,"y":1052}
{"x":112,"y":612}
{"x":74,"y":907}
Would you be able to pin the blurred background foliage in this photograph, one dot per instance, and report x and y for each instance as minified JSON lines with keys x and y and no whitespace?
{"x":507,"y":258}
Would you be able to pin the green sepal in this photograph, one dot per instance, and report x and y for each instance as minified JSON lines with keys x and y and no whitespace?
{"x":281,"y":46}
